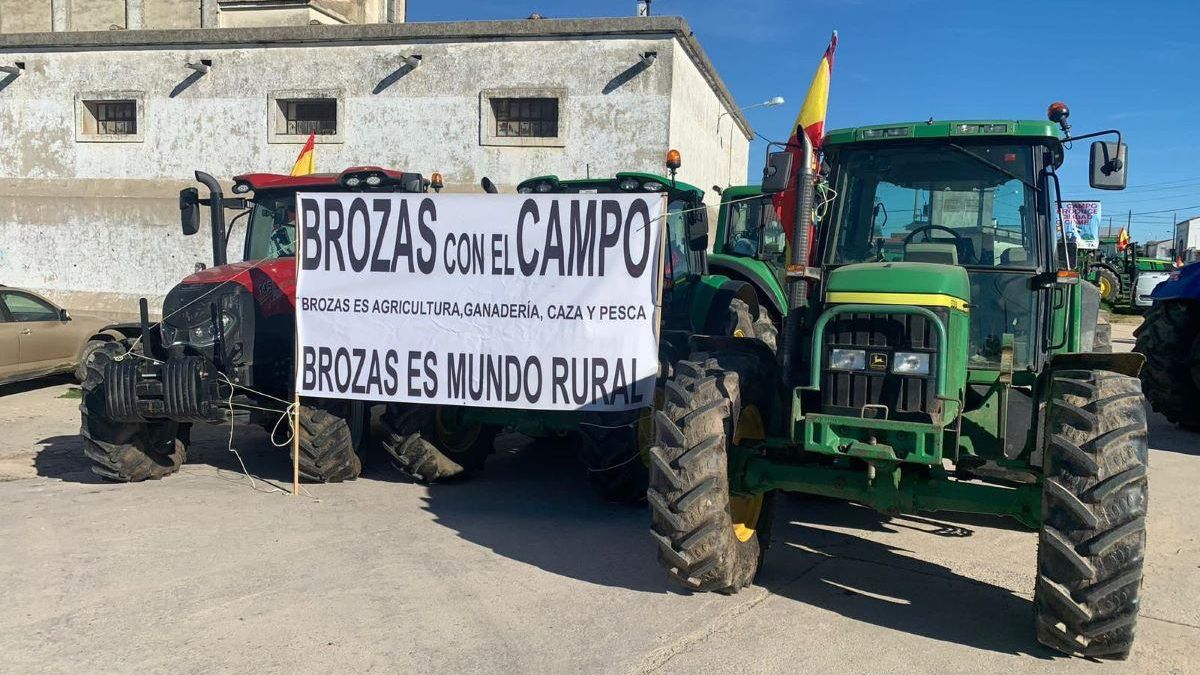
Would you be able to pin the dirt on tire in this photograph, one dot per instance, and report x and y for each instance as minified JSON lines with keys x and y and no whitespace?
{"x":1092,"y":543}
{"x":125,"y":452}
{"x":689,"y":492}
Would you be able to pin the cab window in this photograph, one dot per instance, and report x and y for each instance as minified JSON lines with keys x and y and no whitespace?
{"x":24,"y":307}
{"x":678,"y":263}
{"x":272,"y":229}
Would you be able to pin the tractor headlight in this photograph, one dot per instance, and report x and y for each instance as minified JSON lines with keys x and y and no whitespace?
{"x":652,"y":186}
{"x":847,"y":359}
{"x":544,"y":186}
{"x":193,"y":323}
{"x":524,"y":189}
{"x":374,"y":179}
{"x":628,"y":184}
{"x":353,"y":181}
{"x":910,"y":363}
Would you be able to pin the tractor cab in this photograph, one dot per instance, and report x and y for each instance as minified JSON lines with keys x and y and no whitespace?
{"x":750,"y":245}
{"x":684,"y":262}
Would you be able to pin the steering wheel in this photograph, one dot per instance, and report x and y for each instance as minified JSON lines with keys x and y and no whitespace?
{"x":925,"y":228}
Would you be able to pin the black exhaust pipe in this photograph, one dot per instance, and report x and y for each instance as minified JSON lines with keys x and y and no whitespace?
{"x":792,"y":348}
{"x":216,"y":210}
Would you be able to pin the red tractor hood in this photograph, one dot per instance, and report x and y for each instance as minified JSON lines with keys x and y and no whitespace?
{"x":271,"y":282}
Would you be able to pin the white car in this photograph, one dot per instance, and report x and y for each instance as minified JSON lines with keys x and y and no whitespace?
{"x":1146,"y":281}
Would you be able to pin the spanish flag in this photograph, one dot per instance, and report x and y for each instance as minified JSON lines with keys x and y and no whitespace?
{"x":305,"y":164}
{"x":811,"y":122}
{"x":1122,"y":239}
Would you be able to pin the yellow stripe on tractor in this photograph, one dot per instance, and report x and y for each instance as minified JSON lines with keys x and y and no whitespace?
{"x":917,"y":299}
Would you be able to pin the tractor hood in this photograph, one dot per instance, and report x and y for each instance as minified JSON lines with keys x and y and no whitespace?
{"x":856,"y":283}
{"x":271,"y":282}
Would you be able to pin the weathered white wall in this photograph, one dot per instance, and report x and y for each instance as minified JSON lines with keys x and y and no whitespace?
{"x":95,"y":224}
{"x":713,"y":146}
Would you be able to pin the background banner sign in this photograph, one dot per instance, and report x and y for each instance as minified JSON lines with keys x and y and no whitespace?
{"x":1081,"y":222}
{"x":515,"y":301}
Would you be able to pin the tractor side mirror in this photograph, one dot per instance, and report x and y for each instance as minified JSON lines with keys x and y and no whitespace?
{"x":1108,"y":169}
{"x":697,"y":229}
{"x":189,"y":210}
{"x":488,"y":186}
{"x":777,"y":172}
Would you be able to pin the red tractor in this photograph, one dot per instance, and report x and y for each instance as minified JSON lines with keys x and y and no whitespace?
{"x":226,"y":342}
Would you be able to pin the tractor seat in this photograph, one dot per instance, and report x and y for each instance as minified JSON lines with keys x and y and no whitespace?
{"x":931,"y":252}
{"x":1015,"y":256}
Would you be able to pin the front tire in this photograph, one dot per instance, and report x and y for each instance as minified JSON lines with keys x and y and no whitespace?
{"x":125,"y":452}
{"x":614,"y":446}
{"x":1169,"y":338}
{"x":709,"y":538}
{"x":1092,"y":543}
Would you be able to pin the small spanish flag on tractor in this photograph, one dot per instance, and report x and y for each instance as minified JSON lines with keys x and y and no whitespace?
{"x":305,"y":164}
{"x":811,"y":122}
{"x":1122,"y":239}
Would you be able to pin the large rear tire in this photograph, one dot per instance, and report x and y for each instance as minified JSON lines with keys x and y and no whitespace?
{"x":122,"y":451}
{"x":744,"y":324}
{"x":1093,"y":536}
{"x":1109,"y":285}
{"x":433,"y":443}
{"x":614,"y":451}
{"x":1169,"y":338}
{"x":709,"y":539}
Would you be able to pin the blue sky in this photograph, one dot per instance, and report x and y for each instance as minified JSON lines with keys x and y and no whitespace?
{"x":1131,"y":65}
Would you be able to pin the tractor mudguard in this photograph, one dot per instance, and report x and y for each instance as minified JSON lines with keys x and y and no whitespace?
{"x":119,"y":331}
{"x":1182,"y":285}
{"x":725,"y":344}
{"x":1125,"y":363}
{"x":742,"y":271}
{"x":717,"y":313}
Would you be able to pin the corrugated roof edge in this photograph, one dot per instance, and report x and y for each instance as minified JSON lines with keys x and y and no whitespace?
{"x":213,"y":38}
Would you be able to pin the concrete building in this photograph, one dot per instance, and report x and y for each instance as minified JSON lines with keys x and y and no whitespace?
{"x":1187,"y":239}
{"x":37,"y":16}
{"x":101,"y":129}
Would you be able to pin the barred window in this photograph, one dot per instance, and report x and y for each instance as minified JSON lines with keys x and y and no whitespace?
{"x":112,"y":118}
{"x":309,"y":116}
{"x":525,"y":117}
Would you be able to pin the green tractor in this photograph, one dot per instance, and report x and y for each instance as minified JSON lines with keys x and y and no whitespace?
{"x":1124,"y":278}
{"x":938,"y":355}
{"x":434,"y":443}
{"x":749,"y":247}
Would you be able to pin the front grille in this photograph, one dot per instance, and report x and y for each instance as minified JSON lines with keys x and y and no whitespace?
{"x":906,"y":397}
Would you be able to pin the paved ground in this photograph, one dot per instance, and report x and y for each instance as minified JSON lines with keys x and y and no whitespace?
{"x":520,"y":571}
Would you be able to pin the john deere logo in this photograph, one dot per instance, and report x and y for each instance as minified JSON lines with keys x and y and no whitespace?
{"x":878,"y":362}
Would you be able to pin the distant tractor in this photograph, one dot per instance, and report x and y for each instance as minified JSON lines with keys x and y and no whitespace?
{"x":749,"y":247}
{"x":1125,"y":280}
{"x":438,"y":442}
{"x":937,"y":356}
{"x":226,"y":343}
{"x":1169,"y":338}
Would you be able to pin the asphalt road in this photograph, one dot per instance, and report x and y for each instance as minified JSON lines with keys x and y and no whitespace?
{"x":518,"y":571}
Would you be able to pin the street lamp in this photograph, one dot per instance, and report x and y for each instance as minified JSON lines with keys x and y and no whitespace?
{"x":769,"y":103}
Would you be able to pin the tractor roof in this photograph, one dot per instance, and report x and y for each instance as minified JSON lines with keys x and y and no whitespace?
{"x":279,"y":181}
{"x":962,"y":129}
{"x":613,"y":184}
{"x":740,"y":192}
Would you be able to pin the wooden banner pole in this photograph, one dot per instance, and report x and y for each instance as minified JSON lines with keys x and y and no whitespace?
{"x":296,"y":364}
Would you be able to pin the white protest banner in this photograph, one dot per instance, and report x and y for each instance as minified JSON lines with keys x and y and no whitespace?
{"x":1081,"y":222}
{"x":542,"y":302}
